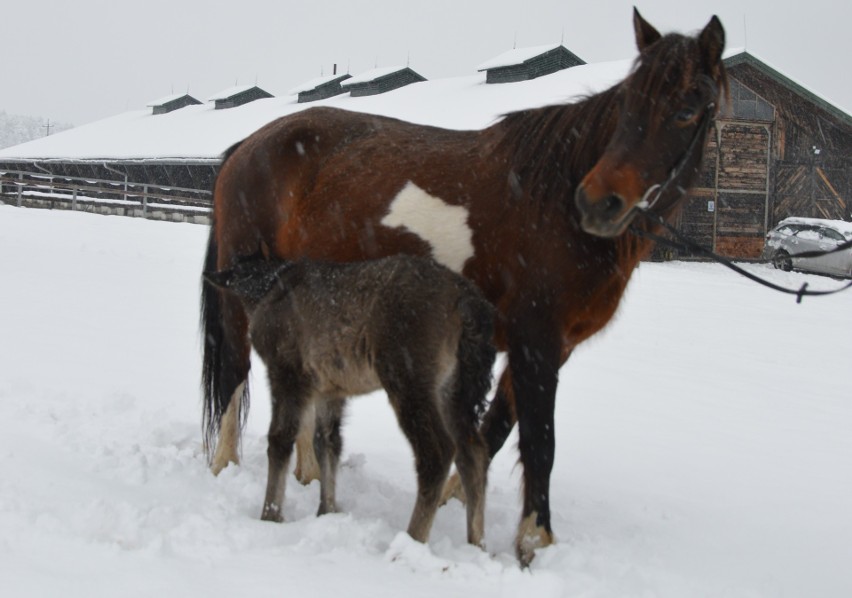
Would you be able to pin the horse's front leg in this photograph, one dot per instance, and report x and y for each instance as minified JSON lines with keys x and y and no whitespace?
{"x":534,"y":359}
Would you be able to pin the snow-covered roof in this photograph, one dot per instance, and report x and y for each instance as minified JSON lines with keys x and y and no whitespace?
{"x":372,"y":75}
{"x":516,"y":56}
{"x":230,"y":92}
{"x":314,"y":83}
{"x":201,"y":132}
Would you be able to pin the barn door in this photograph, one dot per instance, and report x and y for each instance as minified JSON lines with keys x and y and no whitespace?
{"x":742,"y":189}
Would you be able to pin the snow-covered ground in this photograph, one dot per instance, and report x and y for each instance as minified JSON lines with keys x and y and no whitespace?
{"x":704,"y":445}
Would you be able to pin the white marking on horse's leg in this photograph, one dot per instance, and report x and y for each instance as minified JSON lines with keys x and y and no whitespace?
{"x":440,"y":224}
{"x":307,"y":467}
{"x":227,"y":449}
{"x":530,"y":537}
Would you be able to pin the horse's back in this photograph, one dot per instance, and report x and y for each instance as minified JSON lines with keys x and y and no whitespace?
{"x":318,"y":183}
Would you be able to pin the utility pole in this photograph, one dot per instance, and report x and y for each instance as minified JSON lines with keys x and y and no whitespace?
{"x":48,"y":126}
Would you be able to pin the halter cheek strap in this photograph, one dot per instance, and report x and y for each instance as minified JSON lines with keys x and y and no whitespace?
{"x":659,"y":189}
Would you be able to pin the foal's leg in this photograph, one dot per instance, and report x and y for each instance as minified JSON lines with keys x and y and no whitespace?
{"x":472,"y":465}
{"x":290,"y":395}
{"x":495,"y":428}
{"x":421,"y":422}
{"x":328,"y":445}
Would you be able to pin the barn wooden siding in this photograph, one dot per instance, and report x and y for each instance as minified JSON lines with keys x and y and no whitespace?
{"x":238,"y":99}
{"x":326,"y":90}
{"x":777,"y":150}
{"x":544,"y":64}
{"x":394,"y":80}
{"x":175,"y":104}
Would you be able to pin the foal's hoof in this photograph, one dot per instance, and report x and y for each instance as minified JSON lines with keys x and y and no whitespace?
{"x":271,"y":513}
{"x":530,"y":538}
{"x":327,"y":509}
{"x":453,"y":489}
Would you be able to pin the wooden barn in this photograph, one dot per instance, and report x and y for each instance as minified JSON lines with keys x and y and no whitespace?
{"x":237,"y":96}
{"x":777,"y":150}
{"x":523,"y":64}
{"x":172,"y":103}
{"x":381,"y":80}
{"x":320,"y":88}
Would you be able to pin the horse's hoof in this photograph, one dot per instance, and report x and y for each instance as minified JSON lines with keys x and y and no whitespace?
{"x":530,"y":538}
{"x":220,"y":464}
{"x":306,"y":475}
{"x":453,"y":489}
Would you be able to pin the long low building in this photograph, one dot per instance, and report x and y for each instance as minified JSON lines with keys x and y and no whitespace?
{"x":778,"y":149}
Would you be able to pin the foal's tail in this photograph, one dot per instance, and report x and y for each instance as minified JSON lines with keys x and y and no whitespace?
{"x":476,"y":354}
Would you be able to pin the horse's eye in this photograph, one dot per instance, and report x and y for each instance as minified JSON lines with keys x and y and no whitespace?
{"x":685,"y":115}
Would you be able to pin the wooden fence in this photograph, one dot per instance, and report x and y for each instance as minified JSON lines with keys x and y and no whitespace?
{"x":124,"y":198}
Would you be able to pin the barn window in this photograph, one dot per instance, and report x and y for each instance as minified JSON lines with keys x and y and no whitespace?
{"x":747,"y":105}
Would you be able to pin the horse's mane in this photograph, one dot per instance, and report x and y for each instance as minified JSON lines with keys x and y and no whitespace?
{"x":551,"y":148}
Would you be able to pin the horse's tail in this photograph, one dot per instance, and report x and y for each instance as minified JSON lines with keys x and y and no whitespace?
{"x":220,"y":356}
{"x":475,"y":354}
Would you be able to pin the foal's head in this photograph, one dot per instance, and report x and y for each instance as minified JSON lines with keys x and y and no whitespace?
{"x":664,"y":109}
{"x":251,"y":278}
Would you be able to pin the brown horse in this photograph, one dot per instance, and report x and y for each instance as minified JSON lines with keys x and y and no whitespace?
{"x":532,"y":209}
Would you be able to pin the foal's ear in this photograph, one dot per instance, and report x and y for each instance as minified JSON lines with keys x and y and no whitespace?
{"x":219,"y":279}
{"x":712,"y":42}
{"x":646,"y":34}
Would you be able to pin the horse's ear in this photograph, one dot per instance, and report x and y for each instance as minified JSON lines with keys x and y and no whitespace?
{"x":712,"y":41}
{"x":646,"y":34}
{"x":218,"y":279}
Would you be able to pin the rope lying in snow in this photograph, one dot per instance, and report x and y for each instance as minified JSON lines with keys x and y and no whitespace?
{"x":683,"y":243}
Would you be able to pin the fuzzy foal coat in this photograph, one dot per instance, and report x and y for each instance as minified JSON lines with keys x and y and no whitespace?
{"x":406,"y":324}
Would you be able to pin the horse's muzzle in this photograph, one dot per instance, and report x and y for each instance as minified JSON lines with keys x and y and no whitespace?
{"x":607,"y":216}
{"x":607,"y":197}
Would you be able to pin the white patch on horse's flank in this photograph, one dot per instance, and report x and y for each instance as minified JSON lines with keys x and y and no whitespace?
{"x":440,"y":224}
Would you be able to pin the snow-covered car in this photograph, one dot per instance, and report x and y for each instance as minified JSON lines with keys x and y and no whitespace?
{"x":794,"y":236}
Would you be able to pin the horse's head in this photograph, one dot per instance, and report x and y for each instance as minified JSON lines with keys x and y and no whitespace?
{"x":665,"y":107}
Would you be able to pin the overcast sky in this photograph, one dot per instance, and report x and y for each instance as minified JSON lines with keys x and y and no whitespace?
{"x":78,"y":61}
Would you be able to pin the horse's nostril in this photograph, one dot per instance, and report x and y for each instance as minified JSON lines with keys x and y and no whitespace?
{"x":612,"y":205}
